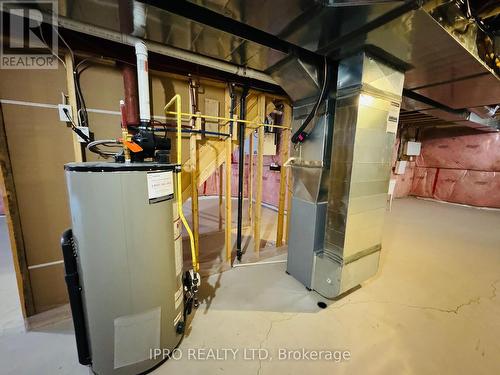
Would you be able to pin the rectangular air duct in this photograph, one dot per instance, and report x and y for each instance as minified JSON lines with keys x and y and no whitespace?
{"x":341,"y":176}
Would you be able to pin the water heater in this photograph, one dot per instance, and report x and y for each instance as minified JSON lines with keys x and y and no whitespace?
{"x":126,"y":288}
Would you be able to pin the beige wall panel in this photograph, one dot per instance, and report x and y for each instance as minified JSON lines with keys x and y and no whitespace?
{"x":49,"y":287}
{"x":39,"y":147}
{"x":102,"y":88}
{"x":33,"y":85}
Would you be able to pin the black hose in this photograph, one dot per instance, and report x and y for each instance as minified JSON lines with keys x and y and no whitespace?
{"x":241,"y":164}
{"x":300,"y":134}
{"x":75,"y":297}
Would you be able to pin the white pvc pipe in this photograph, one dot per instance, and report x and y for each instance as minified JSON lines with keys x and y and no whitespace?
{"x":141,"y":52}
{"x":139,"y":19}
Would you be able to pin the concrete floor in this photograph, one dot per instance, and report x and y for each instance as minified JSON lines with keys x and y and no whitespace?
{"x":212,"y":240}
{"x":432,"y":308}
{"x":11,"y":319}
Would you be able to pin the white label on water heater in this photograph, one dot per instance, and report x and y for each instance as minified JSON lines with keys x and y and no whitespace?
{"x":160,"y":186}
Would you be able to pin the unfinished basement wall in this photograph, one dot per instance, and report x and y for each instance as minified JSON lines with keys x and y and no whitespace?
{"x":404,"y":182}
{"x":270,"y":180}
{"x":40,"y":145}
{"x":459,"y":165}
{"x":102,"y":87}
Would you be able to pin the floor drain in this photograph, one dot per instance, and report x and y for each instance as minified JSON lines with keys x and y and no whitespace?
{"x":322,"y":305}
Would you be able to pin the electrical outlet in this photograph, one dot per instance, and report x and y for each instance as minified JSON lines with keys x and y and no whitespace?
{"x":63,"y":108}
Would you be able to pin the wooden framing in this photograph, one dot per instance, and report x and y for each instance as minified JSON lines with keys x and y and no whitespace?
{"x":284,"y":152}
{"x":260,"y":165}
{"x":250,"y":178}
{"x":221,"y":198}
{"x":14,"y":225}
{"x":70,"y":82}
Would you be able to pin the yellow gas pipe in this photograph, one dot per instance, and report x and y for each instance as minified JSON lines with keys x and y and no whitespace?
{"x":177,"y":100}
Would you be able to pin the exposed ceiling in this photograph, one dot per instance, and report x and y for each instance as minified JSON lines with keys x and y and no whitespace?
{"x":440,"y":54}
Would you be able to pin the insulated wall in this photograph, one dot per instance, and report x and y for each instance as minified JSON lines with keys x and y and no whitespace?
{"x":404,"y":182}
{"x":270,"y":180}
{"x":459,"y":165}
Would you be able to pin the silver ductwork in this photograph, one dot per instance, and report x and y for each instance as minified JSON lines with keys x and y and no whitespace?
{"x":366,"y":115}
{"x":341,"y":175}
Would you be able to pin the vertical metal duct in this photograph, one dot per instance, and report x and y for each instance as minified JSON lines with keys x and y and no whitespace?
{"x":310,"y":163}
{"x":366,"y":116}
{"x":341,"y":172}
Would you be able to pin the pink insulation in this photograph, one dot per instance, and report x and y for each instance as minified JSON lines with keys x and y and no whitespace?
{"x":423,"y":182}
{"x":460,"y":150}
{"x":404,"y":181}
{"x":459,"y":165}
{"x":270,"y":180}
{"x":469,"y":187}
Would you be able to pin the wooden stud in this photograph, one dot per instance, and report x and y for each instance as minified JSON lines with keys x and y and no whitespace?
{"x":221,"y":198}
{"x":14,"y":225}
{"x":70,"y":83}
{"x":284,"y":147}
{"x":250,"y":178}
{"x":198,"y":126}
{"x":260,"y":166}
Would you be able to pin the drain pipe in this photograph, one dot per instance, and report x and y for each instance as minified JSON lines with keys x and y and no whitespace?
{"x":141,"y":52}
{"x":130,"y":89}
{"x":132,"y":15}
{"x":241,"y":165}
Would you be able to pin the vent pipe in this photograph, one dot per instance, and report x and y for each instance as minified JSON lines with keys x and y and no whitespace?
{"x":141,"y":52}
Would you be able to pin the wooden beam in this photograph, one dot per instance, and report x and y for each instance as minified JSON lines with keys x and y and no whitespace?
{"x":221,"y":198}
{"x":284,"y":152}
{"x":250,"y":178}
{"x":14,"y":225}
{"x":70,"y":82}
{"x":260,"y":166}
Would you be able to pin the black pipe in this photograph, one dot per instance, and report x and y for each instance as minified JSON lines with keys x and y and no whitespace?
{"x":423,"y":99}
{"x":75,"y":297}
{"x":241,"y":165}
{"x":300,"y":134}
{"x":232,"y":106}
{"x":159,"y":129}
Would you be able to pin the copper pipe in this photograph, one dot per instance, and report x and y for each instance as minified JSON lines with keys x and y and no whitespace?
{"x":131,"y":96}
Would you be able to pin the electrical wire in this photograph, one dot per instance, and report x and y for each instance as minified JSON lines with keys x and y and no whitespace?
{"x":93,"y":147}
{"x":312,"y":114}
{"x":49,"y":48}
